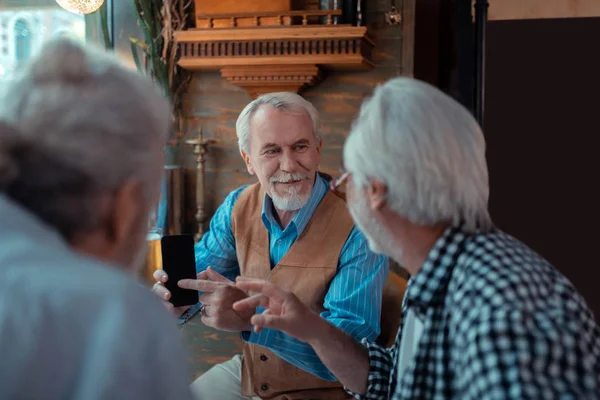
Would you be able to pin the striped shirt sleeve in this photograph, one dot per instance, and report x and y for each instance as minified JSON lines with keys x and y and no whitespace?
{"x":217,"y":247}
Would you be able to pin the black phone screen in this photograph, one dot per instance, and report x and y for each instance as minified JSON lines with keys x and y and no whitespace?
{"x":179,"y":262}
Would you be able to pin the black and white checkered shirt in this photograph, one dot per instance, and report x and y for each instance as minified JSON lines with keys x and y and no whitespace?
{"x":499,"y":322}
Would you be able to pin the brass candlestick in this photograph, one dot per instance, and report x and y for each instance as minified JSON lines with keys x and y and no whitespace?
{"x":200,"y":150}
{"x":393,"y":17}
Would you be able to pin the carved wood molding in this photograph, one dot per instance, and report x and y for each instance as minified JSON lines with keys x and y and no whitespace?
{"x":269,"y":18}
{"x":260,"y":79}
{"x":267,"y":59}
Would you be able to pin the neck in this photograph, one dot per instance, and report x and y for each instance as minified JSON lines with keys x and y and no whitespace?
{"x":96,"y":246}
{"x":416,"y":244}
{"x":284,"y":217}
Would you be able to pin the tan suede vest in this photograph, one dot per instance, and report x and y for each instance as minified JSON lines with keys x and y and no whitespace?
{"x":306,"y":270}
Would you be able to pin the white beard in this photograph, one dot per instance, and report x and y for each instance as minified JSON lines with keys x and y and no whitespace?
{"x":378,"y":238}
{"x":291,"y":200}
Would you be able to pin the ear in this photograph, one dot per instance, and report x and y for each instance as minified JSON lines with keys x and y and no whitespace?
{"x":376,"y":195}
{"x":124,"y":213}
{"x":318,"y":149}
{"x":246,"y":158}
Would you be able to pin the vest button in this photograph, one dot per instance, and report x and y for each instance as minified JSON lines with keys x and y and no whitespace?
{"x":263,"y":357}
{"x":264,"y":387}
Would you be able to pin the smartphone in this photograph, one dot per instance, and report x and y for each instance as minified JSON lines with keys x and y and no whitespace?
{"x":179,"y":262}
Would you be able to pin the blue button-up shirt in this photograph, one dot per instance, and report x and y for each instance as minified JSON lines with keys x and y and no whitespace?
{"x":353,"y":302}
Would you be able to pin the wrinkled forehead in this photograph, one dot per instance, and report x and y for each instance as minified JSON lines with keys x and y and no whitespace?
{"x":269,"y":125}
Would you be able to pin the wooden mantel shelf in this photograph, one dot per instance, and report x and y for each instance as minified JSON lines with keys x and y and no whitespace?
{"x":278,"y":58}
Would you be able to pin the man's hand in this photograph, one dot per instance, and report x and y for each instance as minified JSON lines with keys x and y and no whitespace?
{"x":218,"y":298}
{"x":347,"y":359}
{"x":284,"y":311}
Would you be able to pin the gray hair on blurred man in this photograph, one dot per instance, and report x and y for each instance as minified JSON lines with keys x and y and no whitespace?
{"x":81,"y":141}
{"x":483,"y":315}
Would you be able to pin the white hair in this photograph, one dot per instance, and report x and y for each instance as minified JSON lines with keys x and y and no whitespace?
{"x":74,"y":125}
{"x":286,"y":102}
{"x":427,"y":149}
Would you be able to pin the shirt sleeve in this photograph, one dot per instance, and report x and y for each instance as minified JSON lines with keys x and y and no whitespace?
{"x":217,"y":247}
{"x":520,"y":354}
{"x":352,"y":303}
{"x":381,"y":368}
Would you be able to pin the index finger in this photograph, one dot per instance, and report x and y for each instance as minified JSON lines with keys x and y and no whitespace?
{"x":200,"y":285}
{"x":251,"y":302}
{"x":202,"y":275}
{"x":260,"y":286}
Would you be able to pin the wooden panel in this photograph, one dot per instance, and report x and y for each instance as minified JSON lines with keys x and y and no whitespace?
{"x":227,"y":6}
{"x":279,"y":33}
{"x":333,"y":61}
{"x":539,"y":9}
{"x":274,"y":59}
{"x":408,"y":36}
{"x":247,"y":22}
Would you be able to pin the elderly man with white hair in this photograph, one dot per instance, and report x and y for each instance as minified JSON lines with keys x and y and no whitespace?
{"x":290,"y":229}
{"x":483,"y":317}
{"x":81,"y":139}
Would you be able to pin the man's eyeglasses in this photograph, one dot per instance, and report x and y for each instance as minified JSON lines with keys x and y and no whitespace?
{"x":336,"y":183}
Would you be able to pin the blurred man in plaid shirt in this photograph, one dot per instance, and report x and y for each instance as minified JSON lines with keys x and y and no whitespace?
{"x":484,"y":316}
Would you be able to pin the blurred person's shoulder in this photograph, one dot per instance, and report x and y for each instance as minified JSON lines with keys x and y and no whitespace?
{"x":41,"y":273}
{"x":65,"y":316}
{"x":66,"y":285}
{"x":37,"y":263}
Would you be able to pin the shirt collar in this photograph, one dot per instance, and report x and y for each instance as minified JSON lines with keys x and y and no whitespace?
{"x":18,"y":221}
{"x":300,"y":220}
{"x":428,"y":287}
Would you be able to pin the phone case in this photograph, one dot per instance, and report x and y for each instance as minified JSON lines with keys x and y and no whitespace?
{"x":179,"y":262}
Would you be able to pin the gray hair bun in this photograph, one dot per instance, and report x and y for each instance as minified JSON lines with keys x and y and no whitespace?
{"x":64,"y":61}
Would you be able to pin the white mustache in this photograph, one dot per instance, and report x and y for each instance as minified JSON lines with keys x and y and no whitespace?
{"x":285,"y":178}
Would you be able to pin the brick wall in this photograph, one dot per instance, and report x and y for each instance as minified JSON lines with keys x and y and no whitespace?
{"x":216,"y":104}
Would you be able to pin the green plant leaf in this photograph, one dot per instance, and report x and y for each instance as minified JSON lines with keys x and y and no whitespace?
{"x":139,"y":43}
{"x":142,"y":14}
{"x":136,"y":57}
{"x":103,"y":12}
{"x":157,"y":55}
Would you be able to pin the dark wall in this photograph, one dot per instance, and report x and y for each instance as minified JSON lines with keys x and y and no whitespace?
{"x":541,"y":124}
{"x":444,"y":52}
